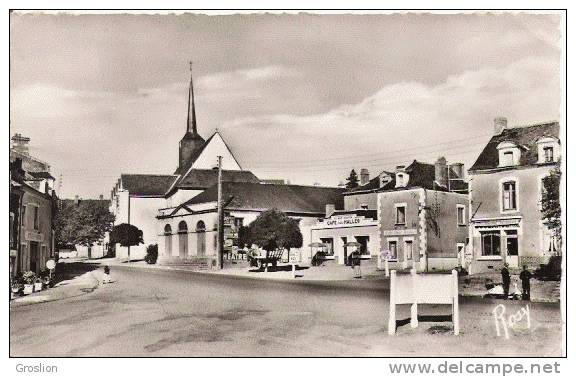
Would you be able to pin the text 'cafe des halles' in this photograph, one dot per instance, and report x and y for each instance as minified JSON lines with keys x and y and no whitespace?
{"x":427,"y":215}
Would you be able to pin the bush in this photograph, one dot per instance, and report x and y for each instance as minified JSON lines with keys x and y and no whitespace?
{"x":151,"y":254}
{"x":29,"y":277}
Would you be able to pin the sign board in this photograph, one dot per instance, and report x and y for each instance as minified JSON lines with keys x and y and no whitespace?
{"x":399,"y":232}
{"x":13,"y":253}
{"x":423,"y":289}
{"x":50,"y":264}
{"x":34,"y":236}
{"x":294,"y":257}
{"x":346,"y":220}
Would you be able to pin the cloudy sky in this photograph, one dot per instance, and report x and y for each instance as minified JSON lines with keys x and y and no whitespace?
{"x":300,"y":97}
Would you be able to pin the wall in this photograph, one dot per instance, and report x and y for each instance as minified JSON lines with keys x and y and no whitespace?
{"x":143,"y":212}
{"x":43,"y":235}
{"x":442,"y":239}
{"x":208,"y":158}
{"x":485,"y":203}
{"x":357,"y":200}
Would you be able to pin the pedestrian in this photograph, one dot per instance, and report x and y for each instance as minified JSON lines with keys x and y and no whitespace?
{"x":525,"y":277}
{"x":355,"y":262}
{"x":505,"y":280}
{"x":106,"y":279}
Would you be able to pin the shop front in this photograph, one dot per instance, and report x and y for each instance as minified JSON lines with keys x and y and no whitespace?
{"x":342,"y":230}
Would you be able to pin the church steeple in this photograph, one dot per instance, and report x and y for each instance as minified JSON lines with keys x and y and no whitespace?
{"x":191,"y":124}
{"x":192,"y":142}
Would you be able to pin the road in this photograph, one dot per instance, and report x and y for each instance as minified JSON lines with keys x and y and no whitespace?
{"x":171,"y":313}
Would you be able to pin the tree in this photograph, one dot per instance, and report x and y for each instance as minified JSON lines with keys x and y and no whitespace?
{"x":126,"y":235}
{"x":352,"y":180}
{"x":84,"y":223}
{"x":550,"y":204}
{"x":274,"y":230}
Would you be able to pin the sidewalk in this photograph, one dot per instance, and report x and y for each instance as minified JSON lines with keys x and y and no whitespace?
{"x":283,"y":271}
{"x":78,"y":286}
{"x":540,"y":291}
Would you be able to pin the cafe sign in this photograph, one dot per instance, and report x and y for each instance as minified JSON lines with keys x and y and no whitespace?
{"x":346,"y":220}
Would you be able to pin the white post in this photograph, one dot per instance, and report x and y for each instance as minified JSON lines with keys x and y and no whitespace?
{"x":379,"y":265}
{"x":455,"y":309}
{"x":386,"y":268}
{"x":293,"y":271}
{"x":414,"y":307}
{"x":392,"y":314}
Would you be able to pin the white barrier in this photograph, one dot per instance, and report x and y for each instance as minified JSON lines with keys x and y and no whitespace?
{"x":423,"y":289}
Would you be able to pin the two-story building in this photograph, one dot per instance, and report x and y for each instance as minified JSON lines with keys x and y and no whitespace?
{"x":416,"y":214}
{"x":506,"y":193}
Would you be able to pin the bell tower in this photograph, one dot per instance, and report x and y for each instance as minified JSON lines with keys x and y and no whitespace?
{"x":192,"y":141}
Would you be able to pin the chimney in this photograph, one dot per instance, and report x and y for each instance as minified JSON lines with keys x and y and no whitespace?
{"x":20,"y":144}
{"x":76,"y":199}
{"x":458,"y":169}
{"x":441,"y":172}
{"x":500,"y":124}
{"x":101,"y":197}
{"x":330,"y":208}
{"x":364,"y":177}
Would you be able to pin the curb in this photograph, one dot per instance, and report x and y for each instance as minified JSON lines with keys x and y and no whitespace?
{"x":16,"y":303}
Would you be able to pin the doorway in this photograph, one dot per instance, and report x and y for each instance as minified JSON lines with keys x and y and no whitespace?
{"x":34,"y":251}
{"x":182,"y":239}
{"x":511,"y":240}
{"x":201,"y":234}
{"x":345,"y":255}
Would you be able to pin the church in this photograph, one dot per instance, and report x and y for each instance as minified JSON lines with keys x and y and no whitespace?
{"x":179,"y":211}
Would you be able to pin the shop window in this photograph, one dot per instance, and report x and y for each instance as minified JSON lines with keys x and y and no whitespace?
{"x":461,"y":214}
{"x":512,"y":242}
{"x":363,"y":241}
{"x":400,"y":214}
{"x":328,"y":245}
{"x":490,"y":243}
{"x":509,"y":196}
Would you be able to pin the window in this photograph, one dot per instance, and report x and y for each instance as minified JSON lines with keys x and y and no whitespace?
{"x":508,"y":159}
{"x":548,"y":154}
{"x":461,"y":214}
{"x":393,"y":247}
{"x":328,"y":245}
{"x":400,"y":214}
{"x":512,"y":242}
{"x":508,"y":154}
{"x":35,"y":214}
{"x":490,"y":243}
{"x":363,"y":241}
{"x":408,"y":249}
{"x":509,"y":196}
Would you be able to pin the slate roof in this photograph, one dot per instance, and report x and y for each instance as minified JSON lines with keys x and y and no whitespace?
{"x":201,"y":179}
{"x":286,"y":198}
{"x":41,"y":174}
{"x":147,"y":184}
{"x":525,"y":137}
{"x":421,"y":174}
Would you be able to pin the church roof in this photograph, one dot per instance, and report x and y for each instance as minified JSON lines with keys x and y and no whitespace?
{"x":201,"y":179}
{"x":147,"y":184}
{"x":286,"y":198}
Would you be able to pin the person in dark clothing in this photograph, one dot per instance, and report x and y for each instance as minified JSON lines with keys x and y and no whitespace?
{"x":525,"y":277}
{"x":505,"y":280}
{"x":355,"y":263}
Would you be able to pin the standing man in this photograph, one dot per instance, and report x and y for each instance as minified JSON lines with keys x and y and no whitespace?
{"x":525,"y":277}
{"x":355,"y":263}
{"x":505,"y":280}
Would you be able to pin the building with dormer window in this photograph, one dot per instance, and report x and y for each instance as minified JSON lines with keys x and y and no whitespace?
{"x":505,"y":195}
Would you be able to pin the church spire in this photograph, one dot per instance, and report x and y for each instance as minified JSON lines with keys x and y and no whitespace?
{"x":191,"y":124}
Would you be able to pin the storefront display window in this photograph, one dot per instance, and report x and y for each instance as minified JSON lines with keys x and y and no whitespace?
{"x":491,"y":243}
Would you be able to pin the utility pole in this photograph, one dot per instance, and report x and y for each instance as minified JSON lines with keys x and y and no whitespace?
{"x":220,"y":228}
